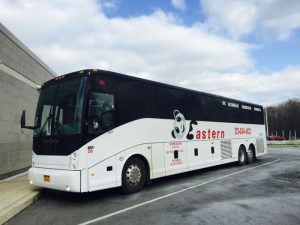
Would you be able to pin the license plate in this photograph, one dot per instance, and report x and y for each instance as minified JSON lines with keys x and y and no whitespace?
{"x":46,"y":178}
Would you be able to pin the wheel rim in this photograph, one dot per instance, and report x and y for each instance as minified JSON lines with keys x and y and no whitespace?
{"x":133,"y":175}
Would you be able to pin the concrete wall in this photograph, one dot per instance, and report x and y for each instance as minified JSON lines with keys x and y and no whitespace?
{"x":21,"y":72}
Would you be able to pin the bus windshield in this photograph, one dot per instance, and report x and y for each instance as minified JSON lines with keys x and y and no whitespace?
{"x":59,"y":109}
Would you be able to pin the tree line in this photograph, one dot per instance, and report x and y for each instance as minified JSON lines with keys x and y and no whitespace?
{"x":284,"y":119}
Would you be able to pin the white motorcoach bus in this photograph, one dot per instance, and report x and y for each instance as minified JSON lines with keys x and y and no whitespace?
{"x":97,"y":129}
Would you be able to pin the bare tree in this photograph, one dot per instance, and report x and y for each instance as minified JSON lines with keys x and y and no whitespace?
{"x":285,"y":116}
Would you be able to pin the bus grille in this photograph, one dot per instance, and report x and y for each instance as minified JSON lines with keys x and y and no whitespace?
{"x":260,"y":145}
{"x":226,"y":150}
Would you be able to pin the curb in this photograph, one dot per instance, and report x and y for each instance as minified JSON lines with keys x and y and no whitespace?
{"x":16,"y":194}
{"x":19,"y":206}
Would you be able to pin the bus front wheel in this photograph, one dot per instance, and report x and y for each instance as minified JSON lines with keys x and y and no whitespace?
{"x":242,"y":156}
{"x":133,"y":175}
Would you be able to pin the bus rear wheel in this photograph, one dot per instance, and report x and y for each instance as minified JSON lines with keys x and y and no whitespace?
{"x":242,"y":156}
{"x":250,"y":155}
{"x":133,"y":176}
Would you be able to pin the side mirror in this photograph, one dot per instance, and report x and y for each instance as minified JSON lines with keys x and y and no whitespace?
{"x":23,"y":119}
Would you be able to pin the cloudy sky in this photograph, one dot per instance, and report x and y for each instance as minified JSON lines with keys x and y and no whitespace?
{"x":244,"y":49}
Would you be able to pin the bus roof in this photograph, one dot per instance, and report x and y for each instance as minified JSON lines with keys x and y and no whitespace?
{"x":90,"y":72}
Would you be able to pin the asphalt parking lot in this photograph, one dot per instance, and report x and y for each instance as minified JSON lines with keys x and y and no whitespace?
{"x":265,"y":192}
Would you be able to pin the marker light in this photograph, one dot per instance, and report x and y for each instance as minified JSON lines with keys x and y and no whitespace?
{"x":102,"y":82}
{"x":68,"y":188}
{"x":31,"y":182}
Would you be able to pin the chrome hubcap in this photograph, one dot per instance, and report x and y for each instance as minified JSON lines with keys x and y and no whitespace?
{"x":133,"y":175}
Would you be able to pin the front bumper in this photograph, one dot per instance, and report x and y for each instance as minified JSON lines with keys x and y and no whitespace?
{"x":64,"y":180}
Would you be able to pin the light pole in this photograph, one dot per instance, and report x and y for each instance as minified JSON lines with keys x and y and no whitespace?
{"x":267,"y":126}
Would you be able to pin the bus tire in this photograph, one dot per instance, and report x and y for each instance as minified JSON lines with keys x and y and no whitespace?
{"x":242,"y":156}
{"x":250,"y":155}
{"x":133,"y":176}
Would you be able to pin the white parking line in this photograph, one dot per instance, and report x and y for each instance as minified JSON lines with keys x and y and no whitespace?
{"x":265,"y":157}
{"x":171,"y":194}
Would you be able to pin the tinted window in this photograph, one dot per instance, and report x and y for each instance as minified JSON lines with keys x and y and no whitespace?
{"x":59,"y":109}
{"x":101,"y":104}
{"x":59,"y":117}
{"x":135,"y":100}
{"x":168,"y":100}
{"x":202,"y":107}
{"x":100,"y":112}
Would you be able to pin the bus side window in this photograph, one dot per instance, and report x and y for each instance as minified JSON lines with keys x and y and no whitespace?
{"x":100,"y":112}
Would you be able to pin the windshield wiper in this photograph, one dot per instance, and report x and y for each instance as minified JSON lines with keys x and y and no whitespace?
{"x":46,"y":121}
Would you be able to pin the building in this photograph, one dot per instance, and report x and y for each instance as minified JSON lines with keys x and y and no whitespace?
{"x":21,"y":75}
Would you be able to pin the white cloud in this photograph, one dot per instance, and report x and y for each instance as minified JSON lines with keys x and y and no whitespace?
{"x":266,"y":89}
{"x":236,"y":17}
{"x":269,"y":18}
{"x":69,"y":39}
{"x":152,"y":46}
{"x":279,"y":18}
{"x":179,"y":4}
{"x":109,"y":4}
